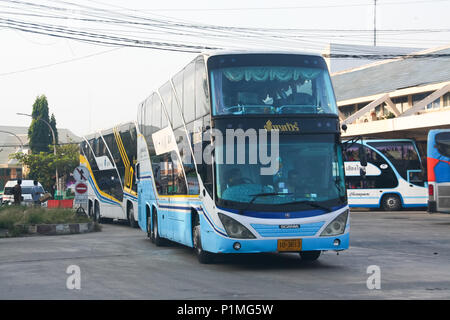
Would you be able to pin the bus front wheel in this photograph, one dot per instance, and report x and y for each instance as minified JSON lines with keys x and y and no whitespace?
{"x":156,"y":239}
{"x":203,"y":256}
{"x":391,"y":202}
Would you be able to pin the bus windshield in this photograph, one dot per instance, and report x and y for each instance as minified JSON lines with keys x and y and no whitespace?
{"x":403,"y":156}
{"x":310,"y":169}
{"x":443,"y":143}
{"x":271,"y":90}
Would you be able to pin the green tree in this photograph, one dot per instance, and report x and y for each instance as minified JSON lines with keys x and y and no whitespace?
{"x":53,"y":125}
{"x":43,"y":165}
{"x":39,"y":133}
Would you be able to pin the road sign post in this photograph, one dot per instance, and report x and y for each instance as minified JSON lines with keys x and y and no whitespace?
{"x":81,"y":175}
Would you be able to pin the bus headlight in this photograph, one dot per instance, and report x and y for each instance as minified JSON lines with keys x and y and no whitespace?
{"x":337,"y":226}
{"x":235,"y":229}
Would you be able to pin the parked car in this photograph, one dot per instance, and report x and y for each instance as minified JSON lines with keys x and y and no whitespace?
{"x":27,"y":185}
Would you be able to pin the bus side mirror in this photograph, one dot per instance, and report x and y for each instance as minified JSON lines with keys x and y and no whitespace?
{"x":362,"y":172}
{"x":362,"y":156}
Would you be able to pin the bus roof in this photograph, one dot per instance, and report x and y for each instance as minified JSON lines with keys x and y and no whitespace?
{"x":121,"y":126}
{"x":252,"y":51}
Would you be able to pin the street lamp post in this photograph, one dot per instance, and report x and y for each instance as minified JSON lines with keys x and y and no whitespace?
{"x":54,"y":145}
{"x":15,"y":135}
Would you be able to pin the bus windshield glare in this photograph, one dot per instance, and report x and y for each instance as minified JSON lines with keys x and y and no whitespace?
{"x":271,"y":90}
{"x":310,"y":169}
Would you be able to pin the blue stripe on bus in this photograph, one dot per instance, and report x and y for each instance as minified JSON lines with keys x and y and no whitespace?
{"x":414,"y":205}
{"x":364,"y":198}
{"x":175,"y":207}
{"x":212,"y":225}
{"x":99,"y":196}
{"x":282,"y":215}
{"x":416,"y":197}
{"x":130,"y":196}
{"x":218,"y":229}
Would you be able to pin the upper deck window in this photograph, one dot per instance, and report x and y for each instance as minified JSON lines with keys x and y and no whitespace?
{"x":271,"y":90}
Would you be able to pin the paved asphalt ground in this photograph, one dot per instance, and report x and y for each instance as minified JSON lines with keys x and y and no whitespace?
{"x":412,"y":250}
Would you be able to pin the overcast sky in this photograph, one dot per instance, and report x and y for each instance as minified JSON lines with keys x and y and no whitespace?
{"x":91,"y":87}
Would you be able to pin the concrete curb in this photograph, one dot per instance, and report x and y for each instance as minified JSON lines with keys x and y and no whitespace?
{"x":60,"y":229}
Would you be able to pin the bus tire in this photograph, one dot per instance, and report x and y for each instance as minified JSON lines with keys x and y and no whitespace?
{"x":130,"y":215}
{"x":149,"y":223}
{"x":310,"y":255}
{"x":204,"y":257}
{"x":391,"y":202}
{"x":156,"y":239}
{"x":98,"y":216}
{"x":90,"y":210}
{"x":97,"y":212}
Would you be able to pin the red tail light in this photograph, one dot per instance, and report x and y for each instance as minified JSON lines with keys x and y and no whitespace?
{"x":430,"y":190}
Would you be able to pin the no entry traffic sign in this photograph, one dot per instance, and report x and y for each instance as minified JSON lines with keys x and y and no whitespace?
{"x":81,"y":188}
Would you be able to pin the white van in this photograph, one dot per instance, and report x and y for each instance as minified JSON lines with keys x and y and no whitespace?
{"x":27,"y":185}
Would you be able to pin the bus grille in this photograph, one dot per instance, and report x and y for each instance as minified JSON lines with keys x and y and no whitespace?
{"x":274,"y":230}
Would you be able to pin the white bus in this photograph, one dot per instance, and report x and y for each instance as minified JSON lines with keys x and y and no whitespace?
{"x":394,"y":176}
{"x":110,"y":156}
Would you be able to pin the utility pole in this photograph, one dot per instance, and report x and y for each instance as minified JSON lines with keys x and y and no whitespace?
{"x":375,"y":23}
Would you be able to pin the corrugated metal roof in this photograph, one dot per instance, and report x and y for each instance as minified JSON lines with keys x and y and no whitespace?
{"x":388,"y":77}
{"x":341,"y":64}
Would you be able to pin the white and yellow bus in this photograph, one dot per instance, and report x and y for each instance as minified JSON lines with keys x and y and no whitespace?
{"x":110,"y":156}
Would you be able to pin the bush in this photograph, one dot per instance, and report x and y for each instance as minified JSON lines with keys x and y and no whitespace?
{"x":14,"y":218}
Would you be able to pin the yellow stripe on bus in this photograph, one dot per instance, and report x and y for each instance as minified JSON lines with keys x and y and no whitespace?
{"x":121,"y":148}
{"x":84,"y":161}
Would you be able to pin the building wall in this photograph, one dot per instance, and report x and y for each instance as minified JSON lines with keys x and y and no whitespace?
{"x":7,"y":174}
{"x":402,"y":103}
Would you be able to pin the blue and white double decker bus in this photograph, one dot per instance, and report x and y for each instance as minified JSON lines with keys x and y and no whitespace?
{"x":394,"y":176}
{"x":110,"y":156}
{"x":229,"y":204}
{"x":438,"y":162}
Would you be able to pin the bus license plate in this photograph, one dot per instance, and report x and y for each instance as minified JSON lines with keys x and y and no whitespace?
{"x":290,"y":245}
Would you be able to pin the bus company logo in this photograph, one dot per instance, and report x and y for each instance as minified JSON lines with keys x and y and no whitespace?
{"x":289,"y":127}
{"x":287,"y":215}
{"x":289,"y":226}
{"x":358,"y":194}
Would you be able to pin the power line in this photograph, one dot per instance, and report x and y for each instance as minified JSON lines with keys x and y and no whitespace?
{"x":332,"y":6}
{"x":134,"y":30}
{"x":57,"y":63}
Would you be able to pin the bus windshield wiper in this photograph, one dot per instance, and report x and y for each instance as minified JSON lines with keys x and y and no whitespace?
{"x":338,"y":187}
{"x":313,"y":204}
{"x":266,"y":194}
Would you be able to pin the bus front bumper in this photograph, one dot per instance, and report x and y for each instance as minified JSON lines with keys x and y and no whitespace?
{"x":219,"y":244}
